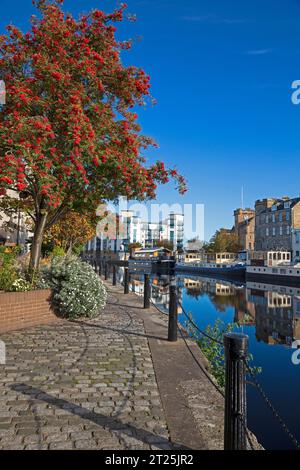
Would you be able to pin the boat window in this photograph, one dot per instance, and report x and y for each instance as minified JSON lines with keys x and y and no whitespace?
{"x":279,"y":256}
{"x":274,"y":256}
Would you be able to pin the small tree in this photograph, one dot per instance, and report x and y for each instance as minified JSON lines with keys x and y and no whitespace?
{"x":165,"y":244}
{"x":223,"y":241}
{"x":68,"y":135}
{"x":72,"y":230}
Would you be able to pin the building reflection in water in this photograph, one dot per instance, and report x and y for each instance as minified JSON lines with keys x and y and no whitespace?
{"x":273,"y":310}
{"x":277,"y":312}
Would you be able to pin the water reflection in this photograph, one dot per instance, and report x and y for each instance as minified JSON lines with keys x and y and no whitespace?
{"x":270,"y":316}
{"x":160,"y":295}
{"x":273,"y":310}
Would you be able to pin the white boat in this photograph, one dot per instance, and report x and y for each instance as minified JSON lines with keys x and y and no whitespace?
{"x":231,"y":270}
{"x":273,"y":267}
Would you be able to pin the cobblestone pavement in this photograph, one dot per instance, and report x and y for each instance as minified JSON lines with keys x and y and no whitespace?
{"x":82,"y":385}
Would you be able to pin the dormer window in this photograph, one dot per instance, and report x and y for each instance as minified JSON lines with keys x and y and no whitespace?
{"x":274,"y":207}
{"x":287,"y":204}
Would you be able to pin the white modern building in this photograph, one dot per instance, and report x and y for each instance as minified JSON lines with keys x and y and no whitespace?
{"x":133,"y":230}
{"x":175,"y":230}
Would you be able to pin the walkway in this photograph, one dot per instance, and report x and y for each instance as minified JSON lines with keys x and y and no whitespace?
{"x":109,"y":383}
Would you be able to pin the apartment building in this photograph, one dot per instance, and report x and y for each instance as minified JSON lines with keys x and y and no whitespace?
{"x":134,"y":230}
{"x":275,"y":222}
{"x":244,"y":228}
{"x":175,"y":230}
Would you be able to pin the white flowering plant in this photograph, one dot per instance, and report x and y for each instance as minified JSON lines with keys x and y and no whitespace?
{"x":21,"y":285}
{"x":77,"y":290}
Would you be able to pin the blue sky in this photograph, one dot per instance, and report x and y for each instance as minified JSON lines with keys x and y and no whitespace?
{"x":221,"y":73}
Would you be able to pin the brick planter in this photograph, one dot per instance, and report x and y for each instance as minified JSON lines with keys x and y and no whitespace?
{"x":24,"y":309}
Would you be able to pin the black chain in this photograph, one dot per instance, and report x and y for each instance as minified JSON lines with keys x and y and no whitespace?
{"x":157,"y":308}
{"x":195,"y":359}
{"x":272,"y":408}
{"x":198,"y":329}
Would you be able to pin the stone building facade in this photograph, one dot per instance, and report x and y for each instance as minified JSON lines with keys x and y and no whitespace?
{"x":244,"y":228}
{"x":275,"y":222}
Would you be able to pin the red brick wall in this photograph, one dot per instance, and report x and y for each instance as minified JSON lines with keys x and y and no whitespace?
{"x":24,"y":309}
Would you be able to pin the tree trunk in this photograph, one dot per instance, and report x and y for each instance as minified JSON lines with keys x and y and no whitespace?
{"x":70,"y":248}
{"x":36,"y":248}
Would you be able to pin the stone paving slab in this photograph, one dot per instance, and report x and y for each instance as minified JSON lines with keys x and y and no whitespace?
{"x":82,"y":385}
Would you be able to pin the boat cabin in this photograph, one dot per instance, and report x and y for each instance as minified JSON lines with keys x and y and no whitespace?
{"x":221,"y":258}
{"x":269,"y":258}
{"x":153,"y":253}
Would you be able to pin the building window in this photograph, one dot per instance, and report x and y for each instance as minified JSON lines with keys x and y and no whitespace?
{"x":288,"y":230}
{"x":273,"y":218}
{"x":280,"y":230}
{"x":267,"y":232}
{"x":274,"y":231}
{"x":287,"y":216}
{"x":280,"y":217}
{"x":267,"y":219}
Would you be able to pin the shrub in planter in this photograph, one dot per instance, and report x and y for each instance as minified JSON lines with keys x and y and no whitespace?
{"x":58,"y":251}
{"x":77,"y":289}
{"x":21,"y":285}
{"x":8,"y":273}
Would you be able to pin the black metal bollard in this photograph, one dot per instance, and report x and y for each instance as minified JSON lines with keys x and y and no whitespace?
{"x":106,"y":270}
{"x":114,"y":279}
{"x":173,"y":312}
{"x":100,"y":267}
{"x":236,"y":349}
{"x":126,"y":281}
{"x":147,"y":291}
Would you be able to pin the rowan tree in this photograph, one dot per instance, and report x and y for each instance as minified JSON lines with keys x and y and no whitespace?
{"x":69,"y":136}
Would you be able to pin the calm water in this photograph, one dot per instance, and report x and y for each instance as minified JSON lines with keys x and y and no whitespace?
{"x":270,"y":316}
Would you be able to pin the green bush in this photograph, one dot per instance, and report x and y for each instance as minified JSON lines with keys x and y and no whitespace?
{"x":77,"y":289}
{"x":58,"y":251}
{"x":214,"y":351}
{"x":8,"y":272}
{"x":8,"y":276}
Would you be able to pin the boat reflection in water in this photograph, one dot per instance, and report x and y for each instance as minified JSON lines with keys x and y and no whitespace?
{"x":273,"y":310}
{"x":160,"y":294}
